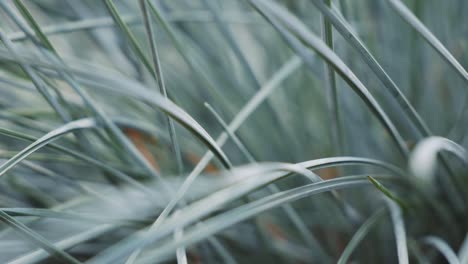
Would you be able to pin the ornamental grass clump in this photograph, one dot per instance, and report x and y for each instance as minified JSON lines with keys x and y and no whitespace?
{"x":218,"y":131}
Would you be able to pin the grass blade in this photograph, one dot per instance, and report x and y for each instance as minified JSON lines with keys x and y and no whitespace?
{"x":227,"y":219}
{"x":37,"y":239}
{"x":359,"y":236}
{"x":400,"y":232}
{"x":330,"y":82}
{"x":159,"y":76}
{"x":443,"y":248}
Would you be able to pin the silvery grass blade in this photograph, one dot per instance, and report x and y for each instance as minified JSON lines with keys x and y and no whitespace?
{"x":246,"y":182}
{"x":74,"y":26}
{"x":162,"y":86}
{"x":360,"y":234}
{"x":129,"y":36}
{"x":38,"y":82}
{"x":80,"y":156}
{"x":72,"y":216}
{"x":463,"y":251}
{"x":281,"y":15}
{"x":399,"y":230}
{"x":352,"y":38}
{"x":443,"y":248}
{"x":432,"y":40}
{"x":293,"y":168}
{"x":35,"y":238}
{"x":45,"y":141}
{"x":332,"y":93}
{"x":224,"y":220}
{"x":423,"y":159}
{"x":92,"y":23}
{"x":81,"y":124}
{"x":181,"y":255}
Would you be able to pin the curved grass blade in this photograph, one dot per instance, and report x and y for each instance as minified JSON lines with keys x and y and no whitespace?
{"x":443,"y":248}
{"x":327,"y":54}
{"x":292,"y":168}
{"x":463,"y":251}
{"x":222,"y":221}
{"x":422,"y":30}
{"x":399,"y":231}
{"x":248,"y":181}
{"x":40,"y":254}
{"x":159,"y":76}
{"x":423,"y":160}
{"x":50,"y":213}
{"x":360,"y":235}
{"x":348,"y":34}
{"x":118,"y":174}
{"x":84,"y":123}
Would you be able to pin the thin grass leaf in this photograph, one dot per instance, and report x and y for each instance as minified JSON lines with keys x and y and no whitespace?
{"x":32,"y":22}
{"x":159,"y":76}
{"x":387,"y":192}
{"x":128,"y":35}
{"x":84,"y":123}
{"x":443,"y":248}
{"x":399,"y":231}
{"x":360,"y":234}
{"x":423,"y":160}
{"x":38,"y":82}
{"x":35,"y":238}
{"x":48,"y":213}
{"x":79,"y":156}
{"x":332,"y":93}
{"x":422,"y":30}
{"x":463,"y":251}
